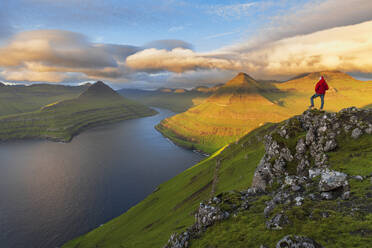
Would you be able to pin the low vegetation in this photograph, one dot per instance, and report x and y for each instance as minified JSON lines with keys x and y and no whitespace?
{"x":171,"y":207}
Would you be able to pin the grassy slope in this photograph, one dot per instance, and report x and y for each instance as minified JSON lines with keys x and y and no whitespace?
{"x":340,"y":229}
{"x":63,"y":120}
{"x":20,"y":99}
{"x":176,"y":102}
{"x":223,"y":119}
{"x":170,"y":208}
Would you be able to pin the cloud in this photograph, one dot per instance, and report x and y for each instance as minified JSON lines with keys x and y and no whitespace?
{"x":49,"y":55}
{"x":306,"y":19}
{"x":220,"y":35}
{"x":346,"y":48}
{"x":168,"y":44}
{"x":231,"y":11}
{"x":176,"y":60}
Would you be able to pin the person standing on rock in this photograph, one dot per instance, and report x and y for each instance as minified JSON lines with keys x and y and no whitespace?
{"x":320,"y":89}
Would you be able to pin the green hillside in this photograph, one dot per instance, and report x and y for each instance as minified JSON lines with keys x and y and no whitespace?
{"x":243,"y":104}
{"x":228,"y":173}
{"x":15,"y":99}
{"x":97,"y":105}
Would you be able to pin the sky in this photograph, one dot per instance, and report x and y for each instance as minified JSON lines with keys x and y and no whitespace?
{"x":171,"y":43}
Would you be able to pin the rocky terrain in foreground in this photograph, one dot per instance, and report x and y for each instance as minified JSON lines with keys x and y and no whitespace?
{"x":294,"y":174}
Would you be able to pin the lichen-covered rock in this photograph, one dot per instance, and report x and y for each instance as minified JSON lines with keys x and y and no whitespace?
{"x":293,"y":241}
{"x":207,"y":215}
{"x":330,"y":145}
{"x":299,"y":200}
{"x":326,"y":195}
{"x":356,"y":133}
{"x":178,"y":241}
{"x":331,"y":180}
{"x":314,"y":172}
{"x":301,"y":146}
{"x":277,"y":222}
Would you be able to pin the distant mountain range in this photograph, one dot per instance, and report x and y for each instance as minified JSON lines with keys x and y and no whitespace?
{"x":176,"y":100}
{"x":98,"y":104}
{"x":243,"y":104}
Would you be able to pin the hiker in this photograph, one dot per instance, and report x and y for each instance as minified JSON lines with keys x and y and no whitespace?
{"x":320,"y":89}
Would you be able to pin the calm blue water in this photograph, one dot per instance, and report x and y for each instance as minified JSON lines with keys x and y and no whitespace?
{"x":52,"y":192}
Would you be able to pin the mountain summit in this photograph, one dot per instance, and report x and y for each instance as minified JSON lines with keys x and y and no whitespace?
{"x":242,"y":80}
{"x":241,"y":88}
{"x":234,"y":109}
{"x":99,"y":89}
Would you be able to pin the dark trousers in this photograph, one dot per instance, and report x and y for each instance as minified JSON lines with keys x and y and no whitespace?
{"x":321,"y":98}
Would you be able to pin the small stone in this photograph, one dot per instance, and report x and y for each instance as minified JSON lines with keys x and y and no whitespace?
{"x":301,"y":146}
{"x":312,"y":197}
{"x":325,"y":214}
{"x":322,"y":129}
{"x":277,"y":222}
{"x":330,"y":145}
{"x":347,"y":128}
{"x":326,"y":195}
{"x":269,"y":208}
{"x":358,"y":178}
{"x":345,"y":195}
{"x":356,"y":133}
{"x":295,"y":188}
{"x":368,"y":130}
{"x":314,"y":172}
{"x":299,"y":200}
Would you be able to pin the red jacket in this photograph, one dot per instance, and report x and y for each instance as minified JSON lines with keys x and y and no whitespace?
{"x":321,"y":86}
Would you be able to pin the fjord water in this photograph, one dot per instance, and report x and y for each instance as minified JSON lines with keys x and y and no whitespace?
{"x":52,"y":192}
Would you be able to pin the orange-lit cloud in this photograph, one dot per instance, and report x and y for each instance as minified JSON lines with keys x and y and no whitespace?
{"x":346,"y":48}
{"x":177,"y":60}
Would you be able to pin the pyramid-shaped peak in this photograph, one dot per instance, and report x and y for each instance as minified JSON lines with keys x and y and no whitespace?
{"x":99,"y":89}
{"x":243,"y":80}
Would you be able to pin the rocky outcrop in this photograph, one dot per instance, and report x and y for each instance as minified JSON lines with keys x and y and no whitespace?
{"x":293,"y":241}
{"x":320,"y":131}
{"x":294,"y":169}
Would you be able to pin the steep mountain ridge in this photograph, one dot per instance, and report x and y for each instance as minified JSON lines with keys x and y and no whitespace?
{"x":216,"y":199}
{"x":243,"y":104}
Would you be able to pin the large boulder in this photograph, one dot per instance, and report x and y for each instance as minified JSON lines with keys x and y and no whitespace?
{"x":331,"y":180}
{"x":293,"y":241}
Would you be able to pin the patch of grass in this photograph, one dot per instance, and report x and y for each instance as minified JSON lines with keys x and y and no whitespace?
{"x":353,"y":156}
